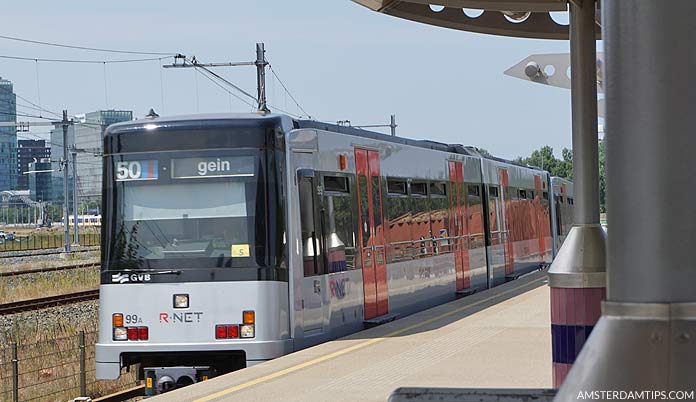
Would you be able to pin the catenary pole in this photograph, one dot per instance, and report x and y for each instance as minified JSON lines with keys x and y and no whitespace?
{"x":66,"y":175}
{"x":76,"y":212}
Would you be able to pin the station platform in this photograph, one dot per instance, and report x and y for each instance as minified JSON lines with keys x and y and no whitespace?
{"x":498,"y":338}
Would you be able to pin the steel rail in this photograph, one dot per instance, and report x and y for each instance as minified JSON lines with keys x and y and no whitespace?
{"x":50,"y":301}
{"x":50,"y":269}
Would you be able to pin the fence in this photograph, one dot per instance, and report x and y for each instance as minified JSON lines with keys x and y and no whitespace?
{"x":55,"y":370}
{"x":46,"y":240}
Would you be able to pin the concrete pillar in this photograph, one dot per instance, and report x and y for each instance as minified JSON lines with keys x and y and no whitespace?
{"x":646,"y":337}
{"x":577,"y":275}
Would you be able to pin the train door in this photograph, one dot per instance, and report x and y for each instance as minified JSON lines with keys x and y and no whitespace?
{"x":539,"y":214}
{"x":506,"y":227}
{"x":458,"y":225}
{"x":370,"y":219}
{"x":495,"y":245}
{"x":312,"y":257}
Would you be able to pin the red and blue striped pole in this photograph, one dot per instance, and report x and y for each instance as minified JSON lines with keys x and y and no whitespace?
{"x":578,"y":285}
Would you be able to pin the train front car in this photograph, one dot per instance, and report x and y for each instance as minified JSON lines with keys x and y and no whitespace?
{"x":194,"y":279}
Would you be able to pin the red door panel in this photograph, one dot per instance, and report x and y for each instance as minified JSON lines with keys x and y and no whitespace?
{"x":539,"y":213}
{"x":507,"y":221}
{"x":458,"y":223}
{"x":371,"y":220}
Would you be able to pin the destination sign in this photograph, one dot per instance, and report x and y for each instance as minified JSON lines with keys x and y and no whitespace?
{"x":225,"y":166}
{"x":136,"y":170}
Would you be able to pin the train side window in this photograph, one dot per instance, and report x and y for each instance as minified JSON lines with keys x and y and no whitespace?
{"x":439,"y":219}
{"x":474,"y":211}
{"x":438,"y":189}
{"x":570,"y":201}
{"x":522,"y":193}
{"x":493,"y":191}
{"x":545,"y":195}
{"x":420,"y":225}
{"x":312,"y":255}
{"x":530,"y":194}
{"x":336,"y":183}
{"x":396,"y":186}
{"x":419,"y":188}
{"x":340,"y":242}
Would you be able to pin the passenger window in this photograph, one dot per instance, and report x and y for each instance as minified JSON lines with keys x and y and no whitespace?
{"x":439,"y":222}
{"x":340,"y":243}
{"x":420,"y":226}
{"x":475,"y":216}
{"x":493,"y":191}
{"x":312,"y":256}
{"x":419,"y":188}
{"x":395,"y":186}
{"x":398,"y":213}
{"x":522,"y":194}
{"x":438,"y":189}
{"x":336,"y":183}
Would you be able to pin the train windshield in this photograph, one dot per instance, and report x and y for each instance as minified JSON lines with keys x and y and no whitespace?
{"x":183,"y":212}
{"x":186,"y":220}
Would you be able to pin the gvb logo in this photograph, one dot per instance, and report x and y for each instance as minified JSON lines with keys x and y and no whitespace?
{"x":120,"y":278}
{"x":125,"y":278}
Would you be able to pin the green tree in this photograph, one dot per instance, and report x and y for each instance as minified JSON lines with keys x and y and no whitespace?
{"x":602,"y":177}
{"x":544,"y":158}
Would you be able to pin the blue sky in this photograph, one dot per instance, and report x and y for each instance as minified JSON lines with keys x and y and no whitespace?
{"x":340,"y":60}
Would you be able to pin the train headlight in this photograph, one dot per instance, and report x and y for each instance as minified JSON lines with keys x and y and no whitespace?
{"x":120,"y":334}
{"x":181,"y":301}
{"x":246,"y":331}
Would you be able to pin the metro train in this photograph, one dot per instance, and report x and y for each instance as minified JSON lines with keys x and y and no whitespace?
{"x":232,"y":239}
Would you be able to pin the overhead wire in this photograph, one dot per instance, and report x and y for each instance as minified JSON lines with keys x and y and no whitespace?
{"x":36,"y":59}
{"x":288,"y":92}
{"x":85,"y":47}
{"x":221,"y":87}
{"x":30,"y":102}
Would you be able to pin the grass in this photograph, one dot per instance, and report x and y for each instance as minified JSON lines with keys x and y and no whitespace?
{"x":48,"y":284}
{"x":49,"y":364}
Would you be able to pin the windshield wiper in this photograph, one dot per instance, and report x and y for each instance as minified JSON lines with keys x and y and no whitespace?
{"x":147,"y":271}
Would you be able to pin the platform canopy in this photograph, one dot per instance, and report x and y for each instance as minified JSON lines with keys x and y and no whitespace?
{"x":518,"y":18}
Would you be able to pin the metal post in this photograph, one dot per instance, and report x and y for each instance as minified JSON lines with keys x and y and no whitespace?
{"x":83,"y":365}
{"x":392,"y":125}
{"x":15,"y":373}
{"x":66,"y":197}
{"x":261,"y":77}
{"x":646,"y":338}
{"x":577,"y":276}
{"x":76,"y":237}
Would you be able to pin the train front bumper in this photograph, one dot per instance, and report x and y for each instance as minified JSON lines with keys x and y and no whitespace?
{"x":108,"y":356}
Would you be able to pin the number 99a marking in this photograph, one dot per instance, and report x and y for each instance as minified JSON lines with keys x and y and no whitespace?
{"x":133,"y":319}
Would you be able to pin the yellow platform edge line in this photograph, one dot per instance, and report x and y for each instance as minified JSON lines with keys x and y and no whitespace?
{"x":361,"y":345}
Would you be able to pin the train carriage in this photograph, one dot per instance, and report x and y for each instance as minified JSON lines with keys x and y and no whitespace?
{"x":233,"y":239}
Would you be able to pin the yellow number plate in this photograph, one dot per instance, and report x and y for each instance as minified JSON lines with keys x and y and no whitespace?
{"x":240,"y":250}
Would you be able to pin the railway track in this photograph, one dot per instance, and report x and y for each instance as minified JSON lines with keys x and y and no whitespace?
{"x":36,"y":252}
{"x":49,"y":269}
{"x":45,"y":302}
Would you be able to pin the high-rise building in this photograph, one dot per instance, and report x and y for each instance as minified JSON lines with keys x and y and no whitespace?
{"x":88,"y":139}
{"x":39,"y":179}
{"x":8,"y":137}
{"x":29,"y":151}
